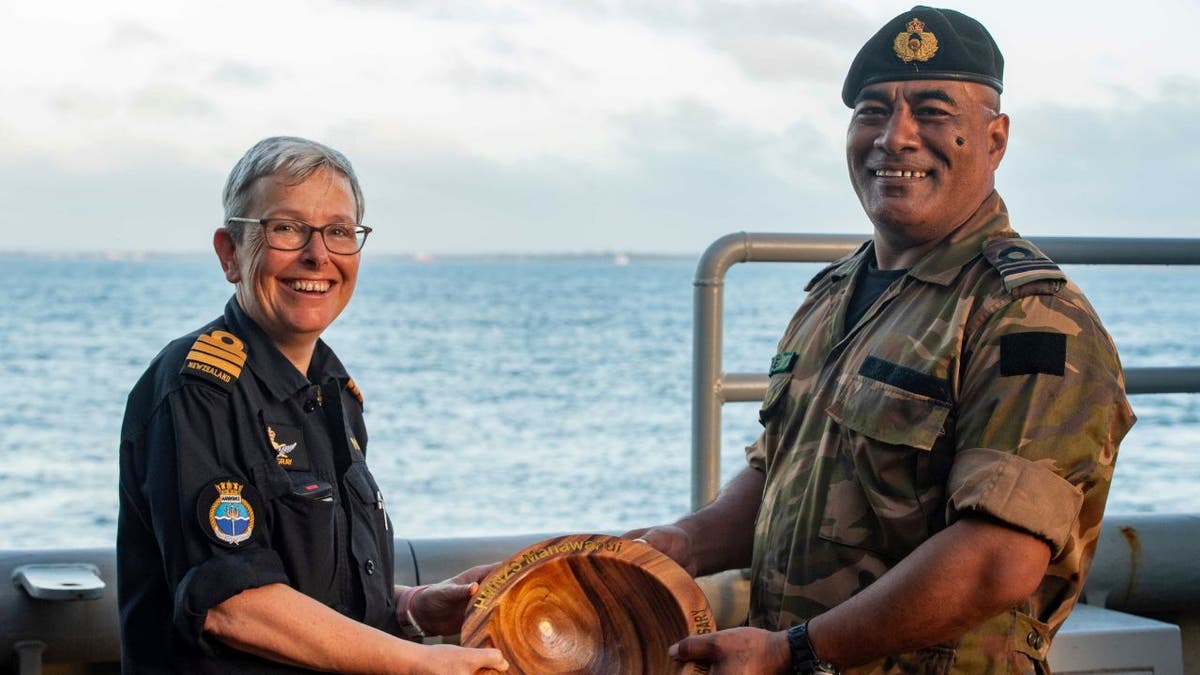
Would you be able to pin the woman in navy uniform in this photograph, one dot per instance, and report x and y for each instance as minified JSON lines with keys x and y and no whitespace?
{"x":252,"y":537}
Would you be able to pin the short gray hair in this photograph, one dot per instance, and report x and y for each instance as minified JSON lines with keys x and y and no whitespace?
{"x":296,"y":158}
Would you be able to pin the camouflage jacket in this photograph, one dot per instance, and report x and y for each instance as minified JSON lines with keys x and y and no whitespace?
{"x":981,"y":382}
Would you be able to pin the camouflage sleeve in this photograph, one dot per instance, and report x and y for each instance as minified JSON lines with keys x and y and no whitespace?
{"x":1041,"y":411}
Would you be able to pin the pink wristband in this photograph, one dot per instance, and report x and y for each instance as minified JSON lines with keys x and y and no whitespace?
{"x":408,"y":624}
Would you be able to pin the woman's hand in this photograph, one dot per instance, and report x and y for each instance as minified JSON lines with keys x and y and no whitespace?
{"x":452,"y":660}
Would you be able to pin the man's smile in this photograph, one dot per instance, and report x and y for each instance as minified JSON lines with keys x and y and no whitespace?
{"x":898,"y":173}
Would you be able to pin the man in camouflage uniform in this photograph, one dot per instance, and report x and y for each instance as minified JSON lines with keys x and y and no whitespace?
{"x":943,"y":414}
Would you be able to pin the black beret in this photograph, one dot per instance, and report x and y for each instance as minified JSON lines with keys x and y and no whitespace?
{"x":927,"y":44}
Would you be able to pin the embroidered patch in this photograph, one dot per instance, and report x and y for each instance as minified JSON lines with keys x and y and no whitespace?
{"x":1019,"y":262}
{"x":783,"y":363}
{"x":217,"y":357}
{"x":905,"y":378}
{"x":1033,"y":353}
{"x":227,"y":511}
{"x":287,"y":442}
{"x":915,"y":43}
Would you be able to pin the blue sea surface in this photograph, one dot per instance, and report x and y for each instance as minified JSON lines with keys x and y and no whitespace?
{"x":502,"y":395}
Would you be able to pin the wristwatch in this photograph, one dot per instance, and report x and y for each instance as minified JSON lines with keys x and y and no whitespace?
{"x":804,"y":659}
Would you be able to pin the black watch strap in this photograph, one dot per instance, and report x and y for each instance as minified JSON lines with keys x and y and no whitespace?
{"x":804,"y":659}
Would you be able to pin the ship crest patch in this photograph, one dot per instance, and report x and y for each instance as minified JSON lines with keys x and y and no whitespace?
{"x":226,"y":509}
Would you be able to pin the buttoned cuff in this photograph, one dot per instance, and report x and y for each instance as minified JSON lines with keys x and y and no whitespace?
{"x":1024,"y":494}
{"x":215,"y":581}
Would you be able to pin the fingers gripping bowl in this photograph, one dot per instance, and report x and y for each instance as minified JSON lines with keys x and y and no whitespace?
{"x":588,"y":604}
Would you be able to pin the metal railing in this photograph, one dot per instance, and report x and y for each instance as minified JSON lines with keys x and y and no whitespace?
{"x":711,"y":388}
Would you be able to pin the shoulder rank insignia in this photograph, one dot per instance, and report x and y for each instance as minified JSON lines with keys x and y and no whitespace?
{"x":217,"y":357}
{"x":226,"y":510}
{"x":1020,"y":262}
{"x":353,"y":389}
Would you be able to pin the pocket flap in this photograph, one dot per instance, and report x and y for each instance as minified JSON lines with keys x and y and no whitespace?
{"x":775,"y":393}
{"x":888,"y":413}
{"x":362,"y":484}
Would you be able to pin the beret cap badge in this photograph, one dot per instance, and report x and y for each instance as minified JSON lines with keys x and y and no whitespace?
{"x":915,"y":44}
{"x":926,"y":43}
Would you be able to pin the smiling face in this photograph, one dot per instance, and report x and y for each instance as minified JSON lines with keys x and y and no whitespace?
{"x":916,"y":181}
{"x":293,"y":295}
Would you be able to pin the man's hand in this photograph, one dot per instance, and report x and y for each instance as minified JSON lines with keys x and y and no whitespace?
{"x":670,"y":540}
{"x":439,"y":609}
{"x":451,"y":660}
{"x":737,"y":651}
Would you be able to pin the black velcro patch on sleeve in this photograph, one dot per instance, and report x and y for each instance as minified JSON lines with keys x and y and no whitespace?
{"x":1033,"y":353}
{"x":905,"y":378}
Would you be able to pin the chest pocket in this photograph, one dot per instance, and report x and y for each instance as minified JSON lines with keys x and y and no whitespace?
{"x":371,"y":545}
{"x":886,"y":489}
{"x":776,"y":391}
{"x":304,"y":528}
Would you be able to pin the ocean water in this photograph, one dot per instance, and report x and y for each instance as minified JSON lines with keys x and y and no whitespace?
{"x":502,"y":396}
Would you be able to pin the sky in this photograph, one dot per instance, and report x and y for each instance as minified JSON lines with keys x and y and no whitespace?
{"x":559,"y":126}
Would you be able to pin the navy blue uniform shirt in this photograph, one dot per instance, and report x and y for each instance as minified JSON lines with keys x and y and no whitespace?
{"x":237,"y":471}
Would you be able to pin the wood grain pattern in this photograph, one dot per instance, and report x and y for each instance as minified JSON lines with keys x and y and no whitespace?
{"x":588,"y":605}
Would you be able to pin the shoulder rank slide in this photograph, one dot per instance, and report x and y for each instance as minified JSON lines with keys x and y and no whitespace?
{"x":1020,"y":262}
{"x":354,"y":391}
{"x":217,"y":357}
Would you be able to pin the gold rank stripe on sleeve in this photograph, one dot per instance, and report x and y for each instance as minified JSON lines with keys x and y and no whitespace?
{"x":219,"y":355}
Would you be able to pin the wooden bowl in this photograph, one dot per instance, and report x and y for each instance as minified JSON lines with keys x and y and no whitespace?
{"x":588,"y":604}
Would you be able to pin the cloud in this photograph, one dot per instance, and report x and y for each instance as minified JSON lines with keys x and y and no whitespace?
{"x":128,"y":34}
{"x":153,"y":204}
{"x":1126,"y":171}
{"x":169,"y":101}
{"x":686,"y":176}
{"x":241,"y":74}
{"x":464,"y":73}
{"x":770,"y":41}
{"x":680,"y":176}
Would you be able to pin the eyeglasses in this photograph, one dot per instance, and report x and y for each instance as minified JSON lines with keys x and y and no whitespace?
{"x":286,"y":234}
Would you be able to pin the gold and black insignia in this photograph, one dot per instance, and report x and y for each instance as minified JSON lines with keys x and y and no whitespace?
{"x":915,"y":43}
{"x":1020,"y":262}
{"x":287,"y":442}
{"x":217,"y":356}
{"x":353,"y":389}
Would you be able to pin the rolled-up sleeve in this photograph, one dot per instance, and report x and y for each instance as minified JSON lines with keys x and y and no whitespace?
{"x":190,"y":443}
{"x":1022,"y":493}
{"x":1041,"y":412}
